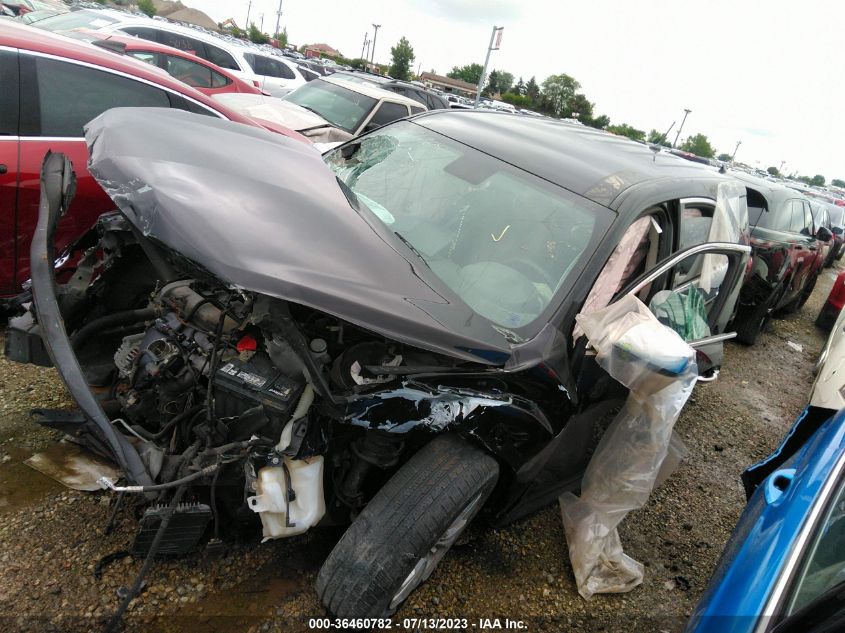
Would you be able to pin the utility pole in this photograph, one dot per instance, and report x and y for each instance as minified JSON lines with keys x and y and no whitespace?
{"x":686,"y":112}
{"x":738,"y":143}
{"x":248,"y":9}
{"x":278,"y":18}
{"x":376,"y":27}
{"x":365,"y":44}
{"x":496,"y":36}
{"x":262,"y":23}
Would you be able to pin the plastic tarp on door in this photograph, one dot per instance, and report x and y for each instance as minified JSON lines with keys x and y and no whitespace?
{"x":659,"y":369}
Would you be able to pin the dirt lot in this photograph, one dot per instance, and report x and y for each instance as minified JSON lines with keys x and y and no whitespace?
{"x":52,"y":538}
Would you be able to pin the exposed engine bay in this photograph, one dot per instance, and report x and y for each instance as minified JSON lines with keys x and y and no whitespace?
{"x":220,"y":378}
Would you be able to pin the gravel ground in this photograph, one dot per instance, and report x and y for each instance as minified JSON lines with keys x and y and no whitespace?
{"x":51,"y":538}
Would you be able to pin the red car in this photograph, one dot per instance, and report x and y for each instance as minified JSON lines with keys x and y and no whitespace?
{"x":50,"y":87}
{"x":183,"y":65}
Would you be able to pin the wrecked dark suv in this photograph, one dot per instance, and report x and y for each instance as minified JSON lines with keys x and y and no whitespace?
{"x":383,"y":336}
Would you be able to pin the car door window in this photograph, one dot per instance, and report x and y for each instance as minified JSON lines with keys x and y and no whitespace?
{"x":777,"y":219}
{"x":416,"y":110}
{"x":808,"y":220}
{"x":182,"y":42}
{"x":140,"y":31}
{"x":387,"y":112}
{"x":189,"y":72}
{"x":219,"y":57}
{"x":144,"y":56}
{"x":823,"y":566}
{"x":696,"y":308}
{"x":796,"y":223}
{"x":8,"y":93}
{"x":268,"y":67}
{"x":91,"y":92}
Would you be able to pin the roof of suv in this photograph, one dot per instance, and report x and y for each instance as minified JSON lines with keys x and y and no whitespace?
{"x":586,"y":161}
{"x":370,"y":90}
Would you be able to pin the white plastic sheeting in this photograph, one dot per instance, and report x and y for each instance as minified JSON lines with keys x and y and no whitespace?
{"x":659,"y":368}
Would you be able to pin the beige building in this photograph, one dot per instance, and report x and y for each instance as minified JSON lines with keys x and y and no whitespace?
{"x":447,"y":84}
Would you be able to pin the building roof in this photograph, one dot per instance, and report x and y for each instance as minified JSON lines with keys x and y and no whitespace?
{"x":323,"y":48}
{"x":589,"y":162}
{"x":449,"y":81}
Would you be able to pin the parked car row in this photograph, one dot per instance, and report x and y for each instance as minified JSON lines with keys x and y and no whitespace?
{"x":391,"y":328}
{"x":52,"y":87}
{"x":273,"y":74}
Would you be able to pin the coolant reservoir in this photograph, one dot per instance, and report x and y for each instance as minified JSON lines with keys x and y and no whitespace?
{"x":279,"y":518}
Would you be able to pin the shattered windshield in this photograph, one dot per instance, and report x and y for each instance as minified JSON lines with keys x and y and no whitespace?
{"x":342,"y":107}
{"x":502,"y":239}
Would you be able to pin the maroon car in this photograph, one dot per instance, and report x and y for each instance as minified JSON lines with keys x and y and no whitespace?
{"x":50,"y":87}
{"x":787,"y":255}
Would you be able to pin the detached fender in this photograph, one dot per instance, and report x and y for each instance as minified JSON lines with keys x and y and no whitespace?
{"x":58,"y":184}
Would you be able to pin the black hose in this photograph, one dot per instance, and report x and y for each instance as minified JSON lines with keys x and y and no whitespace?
{"x":126,"y":317}
{"x":170,"y":424}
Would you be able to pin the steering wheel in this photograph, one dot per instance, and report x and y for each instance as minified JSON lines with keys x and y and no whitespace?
{"x":531,"y":270}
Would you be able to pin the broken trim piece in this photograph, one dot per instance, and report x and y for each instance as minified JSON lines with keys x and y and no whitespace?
{"x":58,"y":185}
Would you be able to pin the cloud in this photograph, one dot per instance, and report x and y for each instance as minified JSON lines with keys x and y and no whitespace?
{"x":497,"y":12}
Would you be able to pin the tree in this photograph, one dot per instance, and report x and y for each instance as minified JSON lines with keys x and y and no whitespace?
{"x":491,"y":85}
{"x":518,"y":101}
{"x":282,"y":38}
{"x":699,"y":145}
{"x":558,"y":91}
{"x":817,"y":180}
{"x":257,"y":36}
{"x":772,"y":170}
{"x":623,"y":129}
{"x":532,"y":89}
{"x":655,"y":137}
{"x":519,"y":88}
{"x":838,"y":182}
{"x":600,"y":122}
{"x":504,"y":83}
{"x":147,"y":6}
{"x":402,"y":56}
{"x":471,"y":73}
{"x":579,"y":105}
{"x":725,"y":158}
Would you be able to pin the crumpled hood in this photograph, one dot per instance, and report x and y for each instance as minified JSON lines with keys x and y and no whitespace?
{"x":284,"y":113}
{"x":265,"y":213}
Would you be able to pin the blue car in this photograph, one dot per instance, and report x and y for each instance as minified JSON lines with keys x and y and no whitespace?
{"x":783,"y":569}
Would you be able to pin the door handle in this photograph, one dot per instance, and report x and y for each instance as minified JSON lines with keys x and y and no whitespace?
{"x":3,"y":169}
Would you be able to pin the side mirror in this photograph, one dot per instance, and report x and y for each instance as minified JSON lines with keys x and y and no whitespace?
{"x":824,"y":234}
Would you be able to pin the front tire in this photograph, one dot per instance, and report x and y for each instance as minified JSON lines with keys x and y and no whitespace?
{"x":405,"y":530}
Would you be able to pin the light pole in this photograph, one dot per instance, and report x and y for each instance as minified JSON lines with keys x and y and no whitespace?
{"x":366,"y":44}
{"x":262,"y":23}
{"x":497,"y":30}
{"x":686,"y":112}
{"x":376,"y":27}
{"x":278,"y":18}
{"x":738,"y":143}
{"x":248,"y":9}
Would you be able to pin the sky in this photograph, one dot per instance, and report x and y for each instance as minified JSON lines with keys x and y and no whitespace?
{"x":766,"y":74}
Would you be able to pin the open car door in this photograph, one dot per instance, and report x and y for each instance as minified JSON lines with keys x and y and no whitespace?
{"x":694,"y":292}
